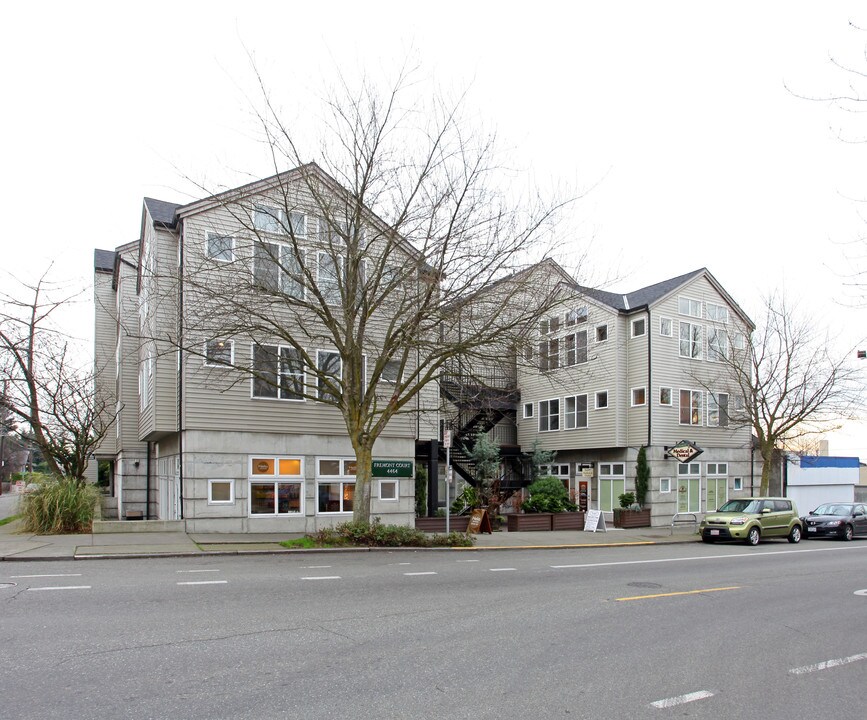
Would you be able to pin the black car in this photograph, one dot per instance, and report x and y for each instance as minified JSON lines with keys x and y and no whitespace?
{"x":842,"y":520}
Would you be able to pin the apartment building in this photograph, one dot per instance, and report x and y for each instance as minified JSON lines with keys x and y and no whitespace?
{"x":217,"y":329}
{"x":610,"y":373}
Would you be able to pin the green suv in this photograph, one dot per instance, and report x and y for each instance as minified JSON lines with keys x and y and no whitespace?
{"x":751,"y":519}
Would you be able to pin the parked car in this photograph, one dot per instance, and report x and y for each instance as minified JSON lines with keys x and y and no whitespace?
{"x":751,"y":519}
{"x":842,"y":520}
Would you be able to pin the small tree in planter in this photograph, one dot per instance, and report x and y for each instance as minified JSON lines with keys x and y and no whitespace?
{"x":538,"y":458}
{"x":642,"y":476}
{"x":547,"y":495}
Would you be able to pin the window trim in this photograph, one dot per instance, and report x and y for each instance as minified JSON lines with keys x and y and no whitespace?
{"x":664,"y":489}
{"x":548,"y":416}
{"x":207,"y":356}
{"x":529,"y":415}
{"x":230,"y":483}
{"x":692,"y":409}
{"x":212,"y":235}
{"x":596,"y":405}
{"x":713,"y":317}
{"x":670,"y":396}
{"x":722,"y":411}
{"x":634,"y":323}
{"x":319,"y":369}
{"x":575,"y":413}
{"x":670,"y":322}
{"x":599,"y":327}
{"x":694,"y":343}
{"x":689,"y":307}
{"x":643,"y":390}
{"x":279,"y":374}
{"x":276,"y":478}
{"x":343,"y":477}
{"x":389,"y":481}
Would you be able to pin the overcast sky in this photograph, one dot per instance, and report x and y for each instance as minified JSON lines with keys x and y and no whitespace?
{"x":680,"y":119}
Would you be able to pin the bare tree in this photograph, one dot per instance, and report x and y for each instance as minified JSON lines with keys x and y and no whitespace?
{"x":47,"y":392}
{"x":789,"y":383}
{"x":404,"y":247}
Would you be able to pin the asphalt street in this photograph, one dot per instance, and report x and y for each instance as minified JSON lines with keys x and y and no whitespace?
{"x":654,"y":631}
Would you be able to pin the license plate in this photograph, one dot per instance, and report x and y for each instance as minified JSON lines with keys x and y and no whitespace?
{"x":811,"y":529}
{"x":714,"y":532}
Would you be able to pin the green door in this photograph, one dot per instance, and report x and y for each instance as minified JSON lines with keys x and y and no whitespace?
{"x":688,"y":495}
{"x":610,"y":490}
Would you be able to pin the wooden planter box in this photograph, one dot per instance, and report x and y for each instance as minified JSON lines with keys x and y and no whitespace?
{"x":567,"y":521}
{"x":631,"y":518}
{"x":457,"y":523}
{"x":525,"y":522}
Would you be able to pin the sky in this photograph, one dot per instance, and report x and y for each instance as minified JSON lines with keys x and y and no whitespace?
{"x":682,"y":126}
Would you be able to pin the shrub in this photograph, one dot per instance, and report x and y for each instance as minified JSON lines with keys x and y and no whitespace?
{"x":626,"y":499}
{"x":375,"y":534}
{"x":548,"y":495}
{"x":58,"y":505}
{"x":420,"y":491}
{"x":642,"y":476}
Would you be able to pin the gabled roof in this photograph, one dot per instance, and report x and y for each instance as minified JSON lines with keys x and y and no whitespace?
{"x":103,"y":260}
{"x":163,"y":213}
{"x":644,"y":297}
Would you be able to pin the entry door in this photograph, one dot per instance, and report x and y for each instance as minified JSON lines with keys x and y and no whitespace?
{"x":689,"y":495}
{"x":717,"y":493}
{"x":610,"y":490}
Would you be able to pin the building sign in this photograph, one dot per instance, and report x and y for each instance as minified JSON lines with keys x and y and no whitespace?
{"x":392,"y":468}
{"x":683,"y":452}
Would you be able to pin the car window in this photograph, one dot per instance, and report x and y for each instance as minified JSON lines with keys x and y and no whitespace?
{"x":782,"y":505}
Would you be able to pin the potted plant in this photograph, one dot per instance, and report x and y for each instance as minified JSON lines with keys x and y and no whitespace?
{"x":548,"y":507}
{"x":632,"y":513}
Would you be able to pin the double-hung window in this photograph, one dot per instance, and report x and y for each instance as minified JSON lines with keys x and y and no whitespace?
{"x":549,"y":415}
{"x":276,"y":268}
{"x":689,"y":306}
{"x":330,"y":267}
{"x":272,"y":219}
{"x":690,"y":407}
{"x":717,"y":409}
{"x":330,"y":369}
{"x":717,"y":344}
{"x":576,"y":348}
{"x":690,"y":340}
{"x":575,"y":412}
{"x":278,"y":372}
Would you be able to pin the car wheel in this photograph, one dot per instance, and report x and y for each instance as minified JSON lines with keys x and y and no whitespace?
{"x":754,"y":536}
{"x":795,"y":534}
{"x":848,"y":533}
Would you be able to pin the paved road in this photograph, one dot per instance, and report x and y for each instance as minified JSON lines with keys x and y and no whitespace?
{"x":656,"y":632}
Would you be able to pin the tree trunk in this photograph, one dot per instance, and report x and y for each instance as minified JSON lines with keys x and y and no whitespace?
{"x":363,"y":480}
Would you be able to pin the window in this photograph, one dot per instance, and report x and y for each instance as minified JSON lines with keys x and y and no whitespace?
{"x":220,"y":247}
{"x":528,"y":410}
{"x":718,"y":409}
{"x":576,"y":316}
{"x":612,"y":484}
{"x":549,"y":325}
{"x":329,"y":277}
{"x":390,"y":372}
{"x":739,"y":341}
{"x":276,"y":268}
{"x":549,"y":415}
{"x":221,"y":492}
{"x":601,"y":333}
{"x":665,"y":396}
{"x":639,"y":327}
{"x":688,"y":306}
{"x":218,"y":352}
{"x":639,"y":396}
{"x":330,"y":371}
{"x":690,"y":340}
{"x":335,"y":485}
{"x":276,"y":486}
{"x":576,"y":348}
{"x":719,"y":469}
{"x":278,"y":372}
{"x":549,"y":354}
{"x":388,"y":490}
{"x":271,"y":219}
{"x":575,"y":412}
{"x":665,"y":327}
{"x":690,"y":407}
{"x":738,"y":484}
{"x":602,"y":399}
{"x":664,"y":485}
{"x":688,"y":487}
{"x":717,"y":344}
{"x":716,"y":313}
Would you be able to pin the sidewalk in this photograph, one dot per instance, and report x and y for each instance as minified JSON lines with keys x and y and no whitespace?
{"x":15,"y":545}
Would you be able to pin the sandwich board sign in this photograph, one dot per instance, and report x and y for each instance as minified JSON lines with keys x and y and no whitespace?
{"x":594,"y":520}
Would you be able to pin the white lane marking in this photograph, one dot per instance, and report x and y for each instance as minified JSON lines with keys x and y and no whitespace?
{"x":828,"y":664}
{"x":315,"y":567}
{"x":466,"y":561}
{"x":682,"y":699}
{"x":198,"y":571}
{"x":500,"y":569}
{"x":420,"y":573}
{"x":59,"y":587}
{"x":322,"y":577}
{"x":706,"y":557}
{"x":40,"y":576}
{"x":857,"y":592}
{"x":205,"y":582}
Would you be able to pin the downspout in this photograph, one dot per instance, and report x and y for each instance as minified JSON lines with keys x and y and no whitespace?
{"x":649,"y":384}
{"x":180,"y":369}
{"x":148,"y":482}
